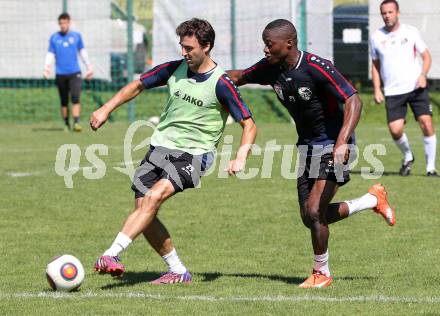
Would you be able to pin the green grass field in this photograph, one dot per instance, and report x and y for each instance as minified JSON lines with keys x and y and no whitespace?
{"x":243,"y":240}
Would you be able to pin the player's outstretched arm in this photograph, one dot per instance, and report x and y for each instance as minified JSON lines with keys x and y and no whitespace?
{"x":352,"y":114}
{"x":237,"y":77}
{"x":247,"y":140}
{"x":127,"y":93}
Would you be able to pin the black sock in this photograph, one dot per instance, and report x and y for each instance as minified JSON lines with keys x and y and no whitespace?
{"x":66,"y":121}
{"x":76,"y":119}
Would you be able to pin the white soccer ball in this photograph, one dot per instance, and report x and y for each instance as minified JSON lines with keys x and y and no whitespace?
{"x":154,"y":120}
{"x":65,"y":273}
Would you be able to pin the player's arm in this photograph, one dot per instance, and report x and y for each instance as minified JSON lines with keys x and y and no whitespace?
{"x":422,"y":49}
{"x":375,"y":77}
{"x":127,"y":93}
{"x":155,"y":77}
{"x":352,"y":114}
{"x":229,"y":96}
{"x":427,"y":61}
{"x":85,"y":57}
{"x":237,"y":77}
{"x":325,"y":73}
{"x":86,"y":60}
{"x":248,"y":136}
{"x":49,"y":59}
{"x":254,"y":74}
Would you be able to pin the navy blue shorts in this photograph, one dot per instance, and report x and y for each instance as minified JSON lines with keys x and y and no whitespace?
{"x":182,"y":169}
{"x":323,"y":170}
{"x":397,"y":105}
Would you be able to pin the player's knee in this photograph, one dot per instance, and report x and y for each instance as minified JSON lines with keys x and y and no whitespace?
{"x":311,"y":213}
{"x":75,"y":99}
{"x":306,"y":221}
{"x":154,"y":197}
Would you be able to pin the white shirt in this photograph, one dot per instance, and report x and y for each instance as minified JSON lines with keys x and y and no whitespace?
{"x":399,"y":66}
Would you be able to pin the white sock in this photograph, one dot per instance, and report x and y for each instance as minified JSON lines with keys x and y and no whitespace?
{"x":365,"y":202}
{"x":404,"y":147}
{"x":321,"y":264}
{"x":120,"y":243}
{"x":174,"y":263}
{"x":430,"y":148}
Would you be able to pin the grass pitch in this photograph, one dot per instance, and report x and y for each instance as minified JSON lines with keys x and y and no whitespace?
{"x":243,"y":240}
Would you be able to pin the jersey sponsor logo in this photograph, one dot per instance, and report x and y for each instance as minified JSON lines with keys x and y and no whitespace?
{"x":71,"y":40}
{"x":65,"y":44}
{"x":279,"y":90}
{"x":186,"y":97}
{"x":305,"y":93}
{"x":192,"y":100}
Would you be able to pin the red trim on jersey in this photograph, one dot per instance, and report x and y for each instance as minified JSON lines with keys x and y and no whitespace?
{"x":333,"y":68}
{"x":234,"y":93}
{"x":415,"y":51}
{"x":258,"y":65}
{"x":331,"y":80}
{"x":148,"y":74}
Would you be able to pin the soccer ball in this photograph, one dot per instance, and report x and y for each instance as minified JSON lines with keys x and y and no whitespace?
{"x":65,"y":273}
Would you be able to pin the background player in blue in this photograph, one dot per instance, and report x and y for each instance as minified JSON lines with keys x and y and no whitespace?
{"x":64,"y":47}
{"x":311,"y":89}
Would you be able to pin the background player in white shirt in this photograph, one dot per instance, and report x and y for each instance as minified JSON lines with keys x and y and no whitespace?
{"x":394,"y":49}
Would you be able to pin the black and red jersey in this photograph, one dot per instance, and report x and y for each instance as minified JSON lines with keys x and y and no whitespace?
{"x":312,"y":92}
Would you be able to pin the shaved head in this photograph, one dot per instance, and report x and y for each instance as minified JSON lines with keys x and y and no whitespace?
{"x":281,"y":29}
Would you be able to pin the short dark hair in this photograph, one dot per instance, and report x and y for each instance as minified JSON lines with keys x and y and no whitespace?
{"x":201,"y":29}
{"x":284,"y":27}
{"x":64,"y":16}
{"x":390,"y":1}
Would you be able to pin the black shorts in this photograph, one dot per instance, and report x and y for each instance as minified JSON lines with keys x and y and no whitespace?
{"x":182,"y":169}
{"x":69,"y":83}
{"x":322,"y":170}
{"x":397,"y":105}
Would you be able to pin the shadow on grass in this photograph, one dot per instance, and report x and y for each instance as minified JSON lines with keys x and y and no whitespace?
{"x":385,"y":173}
{"x":48,"y":129}
{"x":133,"y":278}
{"x":391,"y":173}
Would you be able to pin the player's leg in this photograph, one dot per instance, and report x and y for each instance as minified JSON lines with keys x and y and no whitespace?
{"x":136,"y":223}
{"x":375,"y":199}
{"x":313,"y":213}
{"x":396,"y":107}
{"x":184,"y":171}
{"x":158,"y":237}
{"x":421,"y":107}
{"x":75,"y":92}
{"x":63,"y":92}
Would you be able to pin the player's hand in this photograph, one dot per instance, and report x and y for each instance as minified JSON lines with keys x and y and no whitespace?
{"x":235,"y":166}
{"x":98,"y":118}
{"x":378,"y":97}
{"x":341,"y":154}
{"x":46,"y":73}
{"x":421,"y":82}
{"x":89,"y":73}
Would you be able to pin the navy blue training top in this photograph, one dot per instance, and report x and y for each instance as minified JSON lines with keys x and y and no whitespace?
{"x":312,"y":92}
